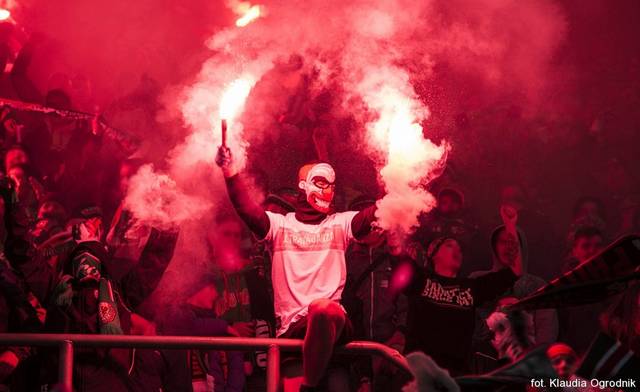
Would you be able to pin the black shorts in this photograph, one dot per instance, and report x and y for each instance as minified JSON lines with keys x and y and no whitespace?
{"x":298,"y":330}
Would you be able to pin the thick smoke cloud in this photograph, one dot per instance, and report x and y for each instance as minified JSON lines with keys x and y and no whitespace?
{"x":472,"y":75}
{"x":367,"y":55}
{"x":164,"y":202}
{"x":112,"y":44}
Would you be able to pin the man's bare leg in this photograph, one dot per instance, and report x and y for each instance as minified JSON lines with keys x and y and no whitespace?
{"x":325,"y":322}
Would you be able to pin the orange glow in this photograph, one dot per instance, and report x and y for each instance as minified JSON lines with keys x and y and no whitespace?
{"x":249,"y":15}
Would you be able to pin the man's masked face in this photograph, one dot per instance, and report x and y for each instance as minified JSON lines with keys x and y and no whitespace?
{"x":318,"y":183}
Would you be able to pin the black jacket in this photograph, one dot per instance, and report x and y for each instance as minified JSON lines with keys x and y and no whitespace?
{"x":112,"y":370}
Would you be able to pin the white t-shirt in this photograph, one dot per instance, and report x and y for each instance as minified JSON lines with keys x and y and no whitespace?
{"x":308,"y":262}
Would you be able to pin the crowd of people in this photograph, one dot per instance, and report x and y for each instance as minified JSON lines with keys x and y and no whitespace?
{"x":75,"y":260}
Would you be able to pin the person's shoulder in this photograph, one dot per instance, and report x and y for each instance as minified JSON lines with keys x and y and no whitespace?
{"x":503,"y":274}
{"x":276,"y":216}
{"x":343,"y":216}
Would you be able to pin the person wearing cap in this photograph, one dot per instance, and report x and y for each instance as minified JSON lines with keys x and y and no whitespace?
{"x":565,"y":362}
{"x":308,"y":265}
{"x":442,"y":305}
{"x":563,"y":359}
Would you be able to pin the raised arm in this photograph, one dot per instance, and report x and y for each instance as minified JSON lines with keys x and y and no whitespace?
{"x":144,"y":276}
{"x":249,"y":211}
{"x":361,"y":222}
{"x":509,"y":217}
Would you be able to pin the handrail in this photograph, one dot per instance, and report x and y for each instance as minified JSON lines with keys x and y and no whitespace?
{"x":66,"y":343}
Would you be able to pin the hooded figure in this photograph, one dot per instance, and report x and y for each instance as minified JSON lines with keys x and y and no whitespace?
{"x":503,"y":249}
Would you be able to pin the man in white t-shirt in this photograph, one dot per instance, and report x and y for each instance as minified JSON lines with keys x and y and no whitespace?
{"x":308,"y":263}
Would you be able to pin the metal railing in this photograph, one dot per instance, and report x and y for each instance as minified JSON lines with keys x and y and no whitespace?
{"x":67,"y":342}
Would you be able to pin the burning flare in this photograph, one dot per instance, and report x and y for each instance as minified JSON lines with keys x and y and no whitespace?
{"x":247,"y":12}
{"x":232,"y":101}
{"x":234,"y":96}
{"x":252,"y":14}
{"x":6,"y":6}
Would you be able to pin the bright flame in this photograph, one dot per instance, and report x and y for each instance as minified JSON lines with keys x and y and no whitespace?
{"x":4,"y":14}
{"x":251,"y":14}
{"x":234,"y":96}
{"x":410,"y":159}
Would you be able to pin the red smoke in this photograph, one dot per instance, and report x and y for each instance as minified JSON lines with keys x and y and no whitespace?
{"x":368,"y":67}
{"x":369,"y":54}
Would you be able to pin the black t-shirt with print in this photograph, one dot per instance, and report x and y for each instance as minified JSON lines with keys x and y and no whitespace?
{"x":441,"y":315}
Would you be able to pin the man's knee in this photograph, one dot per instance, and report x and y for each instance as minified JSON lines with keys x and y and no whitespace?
{"x":326,"y":310}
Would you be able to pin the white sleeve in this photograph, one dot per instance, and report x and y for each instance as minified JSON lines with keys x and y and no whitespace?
{"x":276,"y":222}
{"x":347,"y":217}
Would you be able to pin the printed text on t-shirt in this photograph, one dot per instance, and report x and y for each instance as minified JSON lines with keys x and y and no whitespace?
{"x":447,"y":295}
{"x":327,"y":238}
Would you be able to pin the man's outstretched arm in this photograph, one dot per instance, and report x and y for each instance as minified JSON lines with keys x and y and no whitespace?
{"x":249,"y":211}
{"x":361,"y":222}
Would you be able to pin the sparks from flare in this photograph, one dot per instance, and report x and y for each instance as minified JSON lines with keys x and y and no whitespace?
{"x":249,"y":14}
{"x":4,"y":14}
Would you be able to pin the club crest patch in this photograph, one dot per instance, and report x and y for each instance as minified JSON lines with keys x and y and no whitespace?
{"x":106,"y":312}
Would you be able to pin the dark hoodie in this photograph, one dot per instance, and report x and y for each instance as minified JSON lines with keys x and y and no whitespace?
{"x":545,"y":320}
